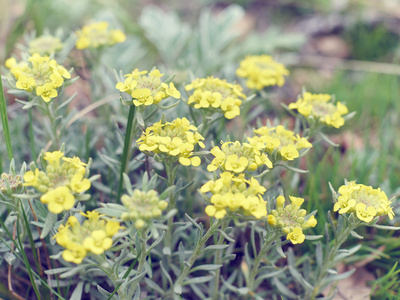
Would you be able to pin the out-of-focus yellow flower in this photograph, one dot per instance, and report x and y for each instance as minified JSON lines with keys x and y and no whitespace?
{"x":291,"y":219}
{"x":321,"y":107}
{"x":93,"y":236}
{"x":235,"y":194}
{"x":235,"y":157}
{"x":147,"y":88}
{"x":262,"y":71}
{"x":172,"y":139}
{"x":40,"y":76}
{"x":97,"y":35}
{"x":364,"y":201}
{"x":45,"y":45}
{"x":216,"y":95}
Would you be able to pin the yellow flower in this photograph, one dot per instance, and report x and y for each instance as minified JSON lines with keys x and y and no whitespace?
{"x":289,"y":152}
{"x":25,"y":83}
{"x":97,"y":35}
{"x":296,"y":236}
{"x":45,"y":44}
{"x":58,"y":200}
{"x":321,"y":108}
{"x":10,"y":62}
{"x":54,"y":157}
{"x":97,"y":242}
{"x":365,"y":214}
{"x":79,"y":184}
{"x":261,"y":71}
{"x":76,"y":253}
{"x":31,"y":178}
{"x":216,"y":95}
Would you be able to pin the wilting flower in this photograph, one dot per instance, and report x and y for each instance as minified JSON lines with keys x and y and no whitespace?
{"x":172,"y":139}
{"x":235,"y":194}
{"x":147,"y":88}
{"x":262,"y":71}
{"x":364,"y":201}
{"x":291,"y":219}
{"x":322,"y":108}
{"x":97,"y":35}
{"x":216,"y":95}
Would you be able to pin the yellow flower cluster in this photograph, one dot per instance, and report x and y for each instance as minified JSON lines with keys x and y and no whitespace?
{"x":321,"y":108}
{"x":10,"y":184}
{"x":290,"y":219}
{"x":147,"y":89}
{"x":236,"y":195}
{"x":94,"y":235}
{"x":237,"y":158}
{"x":216,"y":95}
{"x":284,"y":142}
{"x":63,"y":178}
{"x":41,"y":75}
{"x":45,"y":44}
{"x":142,"y":207}
{"x":97,"y":35}
{"x":172,"y":139}
{"x":364,"y":201}
{"x":261,"y":71}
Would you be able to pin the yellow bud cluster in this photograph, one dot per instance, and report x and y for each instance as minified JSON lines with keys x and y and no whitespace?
{"x":10,"y":184}
{"x":97,"y":35}
{"x":62,"y":179}
{"x":235,"y":194}
{"x":290,"y":219}
{"x":147,"y":88}
{"x":216,"y":95}
{"x":364,"y":201}
{"x":142,"y":207}
{"x":261,"y":71}
{"x":237,"y":158}
{"x":320,"y":107}
{"x":284,"y":142}
{"x":94,"y":235}
{"x":45,"y":45}
{"x":172,"y":139}
{"x":41,"y":75}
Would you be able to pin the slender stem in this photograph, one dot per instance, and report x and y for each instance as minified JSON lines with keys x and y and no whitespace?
{"x":4,"y":121}
{"x":31,"y":136}
{"x":53,"y":126}
{"x":196,"y":252}
{"x":169,"y":167}
{"x":257,"y":261}
{"x":218,"y":261}
{"x":127,"y":146}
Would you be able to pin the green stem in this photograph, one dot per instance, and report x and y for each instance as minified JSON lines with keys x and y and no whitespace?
{"x":53,"y":126}
{"x":31,"y":136}
{"x":218,"y":261}
{"x":169,"y":167}
{"x":4,"y":121}
{"x":196,"y":252}
{"x":127,"y":146}
{"x":257,"y":261}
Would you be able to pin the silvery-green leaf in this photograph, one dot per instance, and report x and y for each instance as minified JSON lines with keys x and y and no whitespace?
{"x":283,"y":289}
{"x":386,"y":227}
{"x":49,"y":224}
{"x":356,"y":235}
{"x":206,"y":267}
{"x":9,"y":258}
{"x":77,"y":293}
{"x":198,"y":280}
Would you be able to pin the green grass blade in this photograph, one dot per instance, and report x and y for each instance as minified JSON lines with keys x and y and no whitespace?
{"x":4,"y":121}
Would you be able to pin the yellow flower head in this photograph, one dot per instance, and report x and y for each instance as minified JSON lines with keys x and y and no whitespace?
{"x":172,"y":139}
{"x":147,"y":88}
{"x":97,"y":35}
{"x":45,"y":45}
{"x":62,"y":179}
{"x":40,"y":76}
{"x":262,"y":71}
{"x":236,"y":157}
{"x":93,"y":236}
{"x":291,"y":219}
{"x":142,"y":207}
{"x":320,"y":107}
{"x":216,"y":95}
{"x":285,"y":143}
{"x":235,"y":194}
{"x":364,"y":201}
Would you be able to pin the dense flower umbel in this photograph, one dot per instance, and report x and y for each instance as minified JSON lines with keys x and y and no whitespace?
{"x":216,"y":95}
{"x":321,"y":108}
{"x":94,"y":235}
{"x":98,"y":34}
{"x":172,"y":139}
{"x":235,"y":194}
{"x":237,"y":158}
{"x":45,"y":45}
{"x":40,"y":76}
{"x":261,"y":71}
{"x":290,"y":219}
{"x":284,"y":142}
{"x":62,"y":179}
{"x":142,"y":207}
{"x":147,"y":88}
{"x":364,"y":201}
